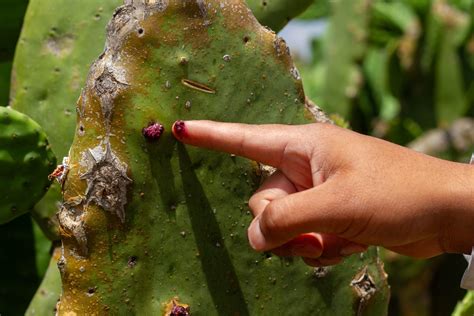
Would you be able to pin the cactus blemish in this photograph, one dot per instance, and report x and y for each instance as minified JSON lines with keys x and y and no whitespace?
{"x":197,"y":86}
{"x":153,"y":131}
{"x":107,"y":180}
{"x":183,"y":61}
{"x":179,"y":311}
{"x":175,"y":308}
{"x":132,"y":261}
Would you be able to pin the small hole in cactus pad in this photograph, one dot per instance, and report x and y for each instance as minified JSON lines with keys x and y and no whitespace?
{"x":141,"y":31}
{"x":81,"y":129}
{"x":132,"y":261}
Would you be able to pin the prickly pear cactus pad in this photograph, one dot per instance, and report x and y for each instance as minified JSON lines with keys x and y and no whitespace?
{"x":53,"y":54}
{"x":277,"y":13}
{"x":25,"y":162}
{"x":152,"y":227}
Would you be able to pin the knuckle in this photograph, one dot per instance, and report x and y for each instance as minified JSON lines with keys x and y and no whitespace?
{"x":272,"y":222}
{"x":254,"y":201}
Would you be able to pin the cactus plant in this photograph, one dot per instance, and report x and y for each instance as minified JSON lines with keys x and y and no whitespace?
{"x":11,"y":15}
{"x":47,"y":295}
{"x":277,"y":13}
{"x":466,"y":306}
{"x":451,"y":101}
{"x":26,"y":161}
{"x":17,"y":265}
{"x":336,"y":82}
{"x":51,"y":62}
{"x":49,"y":71}
{"x":151,"y":226}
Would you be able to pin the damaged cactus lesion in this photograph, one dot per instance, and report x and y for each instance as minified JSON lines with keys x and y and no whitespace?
{"x":107,"y":87}
{"x":365,"y":288}
{"x":175,"y":308}
{"x":107,"y":180}
{"x":71,"y":222}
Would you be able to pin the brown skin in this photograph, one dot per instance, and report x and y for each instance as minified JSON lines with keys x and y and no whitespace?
{"x":337,"y":192}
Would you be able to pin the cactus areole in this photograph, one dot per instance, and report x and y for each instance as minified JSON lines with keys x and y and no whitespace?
{"x":157,"y":228}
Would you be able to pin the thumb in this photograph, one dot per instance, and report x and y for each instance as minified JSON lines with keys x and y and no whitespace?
{"x":319,"y":209}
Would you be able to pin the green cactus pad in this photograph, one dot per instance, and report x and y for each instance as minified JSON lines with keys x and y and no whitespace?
{"x":277,"y":13}
{"x":25,"y":162}
{"x":150,"y":225}
{"x":466,"y":306}
{"x":51,"y":61}
{"x":47,"y":295}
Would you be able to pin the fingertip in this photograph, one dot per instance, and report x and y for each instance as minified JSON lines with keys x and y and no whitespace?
{"x":179,"y":129}
{"x":256,"y":239}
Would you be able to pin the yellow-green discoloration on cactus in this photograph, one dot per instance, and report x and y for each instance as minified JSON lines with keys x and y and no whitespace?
{"x":25,"y":162}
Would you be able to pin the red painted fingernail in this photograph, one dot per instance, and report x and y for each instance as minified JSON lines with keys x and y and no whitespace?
{"x":153,"y":131}
{"x":179,"y":129}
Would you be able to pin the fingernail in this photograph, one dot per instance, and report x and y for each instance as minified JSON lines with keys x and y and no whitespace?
{"x":352,"y":249}
{"x":256,"y":239}
{"x":179,"y":129}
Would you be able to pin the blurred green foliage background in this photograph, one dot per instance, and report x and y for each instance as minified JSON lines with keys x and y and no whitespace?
{"x":399,"y":70}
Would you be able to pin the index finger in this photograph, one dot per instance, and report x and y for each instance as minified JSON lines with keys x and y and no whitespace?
{"x":263,"y":143}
